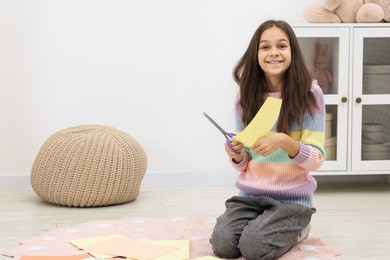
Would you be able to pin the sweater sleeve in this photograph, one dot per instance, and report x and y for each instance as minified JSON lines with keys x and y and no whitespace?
{"x":311,"y":153}
{"x":241,"y":166}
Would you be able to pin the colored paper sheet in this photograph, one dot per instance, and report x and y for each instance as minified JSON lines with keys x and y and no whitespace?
{"x":130,"y":248}
{"x":182,"y":253}
{"x":81,"y":243}
{"x":262,"y":123}
{"x":68,"y":257}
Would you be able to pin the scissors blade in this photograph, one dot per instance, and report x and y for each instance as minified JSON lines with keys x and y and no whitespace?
{"x":217,"y":126}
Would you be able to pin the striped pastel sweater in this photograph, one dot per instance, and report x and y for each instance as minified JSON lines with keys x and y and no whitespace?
{"x":279,"y":176}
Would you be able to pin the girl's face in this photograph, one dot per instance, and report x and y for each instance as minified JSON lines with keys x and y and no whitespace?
{"x":274,"y":53}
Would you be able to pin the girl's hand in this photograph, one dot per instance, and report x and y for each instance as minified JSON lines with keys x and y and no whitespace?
{"x":237,"y":146}
{"x":269,"y":144}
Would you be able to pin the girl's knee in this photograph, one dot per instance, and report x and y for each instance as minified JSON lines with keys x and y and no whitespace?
{"x":254,"y":248}
{"x":254,"y":245}
{"x":224,"y":245}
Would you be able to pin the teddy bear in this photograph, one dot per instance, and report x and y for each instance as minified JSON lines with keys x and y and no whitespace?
{"x":345,"y":11}
{"x":321,"y":73}
{"x":386,"y":10}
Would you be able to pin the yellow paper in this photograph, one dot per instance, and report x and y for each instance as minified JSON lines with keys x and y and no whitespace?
{"x":130,"y":248}
{"x":182,"y":253}
{"x":262,"y":123}
{"x":183,"y":246}
{"x":81,"y":243}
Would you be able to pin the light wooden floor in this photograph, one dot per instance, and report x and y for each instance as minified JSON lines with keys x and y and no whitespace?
{"x":354,"y":218}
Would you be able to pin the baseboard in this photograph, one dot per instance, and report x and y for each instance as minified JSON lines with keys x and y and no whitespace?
{"x":15,"y":181}
{"x":334,"y":179}
{"x":161,"y":179}
{"x":165,"y":179}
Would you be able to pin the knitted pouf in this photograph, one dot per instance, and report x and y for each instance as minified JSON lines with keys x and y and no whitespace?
{"x":89,"y":166}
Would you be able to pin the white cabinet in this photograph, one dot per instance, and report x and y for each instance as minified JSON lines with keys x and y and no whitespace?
{"x":358,"y":97}
{"x":371,"y":99}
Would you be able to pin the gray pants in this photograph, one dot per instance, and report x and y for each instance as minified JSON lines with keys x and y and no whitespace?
{"x":258,"y":228}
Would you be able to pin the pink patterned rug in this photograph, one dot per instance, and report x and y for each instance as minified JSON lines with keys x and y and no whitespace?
{"x":196,"y":229}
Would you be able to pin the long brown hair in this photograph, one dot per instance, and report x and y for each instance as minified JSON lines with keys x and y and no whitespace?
{"x":296,"y":93}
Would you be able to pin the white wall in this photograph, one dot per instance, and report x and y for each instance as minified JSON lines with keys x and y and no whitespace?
{"x":149,"y":68}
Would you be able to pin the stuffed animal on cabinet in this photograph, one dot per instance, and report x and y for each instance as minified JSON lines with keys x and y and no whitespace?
{"x":320,"y":72}
{"x":386,"y":10}
{"x":347,"y":11}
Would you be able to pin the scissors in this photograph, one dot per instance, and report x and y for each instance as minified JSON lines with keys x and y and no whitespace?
{"x":227,"y":135}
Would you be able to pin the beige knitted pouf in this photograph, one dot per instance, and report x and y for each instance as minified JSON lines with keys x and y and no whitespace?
{"x":89,"y":166}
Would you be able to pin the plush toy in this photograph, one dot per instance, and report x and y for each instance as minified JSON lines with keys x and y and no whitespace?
{"x":386,"y":10}
{"x":345,"y":11}
{"x":321,"y":73}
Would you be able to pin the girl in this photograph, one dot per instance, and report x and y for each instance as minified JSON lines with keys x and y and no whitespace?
{"x":273,"y":209}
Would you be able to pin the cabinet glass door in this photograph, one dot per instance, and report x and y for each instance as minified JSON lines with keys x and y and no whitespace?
{"x":371,"y":96}
{"x":326,"y":52}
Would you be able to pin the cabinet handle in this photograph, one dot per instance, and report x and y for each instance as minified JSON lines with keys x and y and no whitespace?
{"x":344,"y":99}
{"x":358,"y":100}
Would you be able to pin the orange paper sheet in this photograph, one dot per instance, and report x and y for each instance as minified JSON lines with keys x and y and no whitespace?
{"x":130,"y":248}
